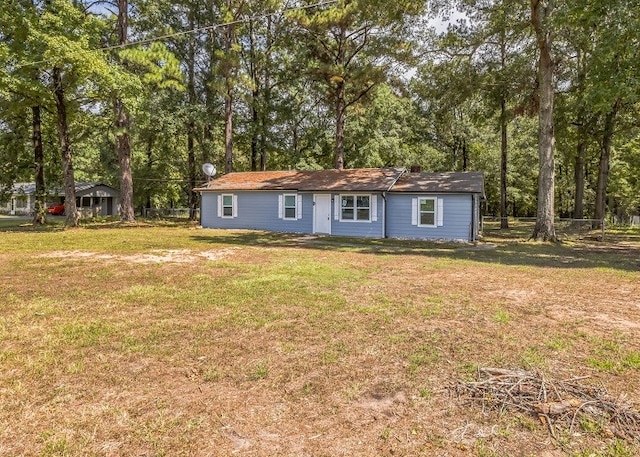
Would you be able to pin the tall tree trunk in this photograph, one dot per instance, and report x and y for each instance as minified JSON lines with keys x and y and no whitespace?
{"x":262,"y":145}
{"x":70,"y":208}
{"x":148,"y":203}
{"x":266,"y":89}
{"x":123,"y":148}
{"x":504,"y":217}
{"x":207,"y":137}
{"x":255,"y":93}
{"x":545,"y":226}
{"x":122,"y":126}
{"x":228,"y":128}
{"x":191,"y":165}
{"x":191,"y":128}
{"x":579,"y":172}
{"x":39,"y":213}
{"x":210,"y":99}
{"x":605,"y":157}
{"x":255,"y":154}
{"x":340,"y":123}
{"x":340,"y":100}
{"x":228,"y":100}
{"x":254,"y":146}
{"x":465,"y":154}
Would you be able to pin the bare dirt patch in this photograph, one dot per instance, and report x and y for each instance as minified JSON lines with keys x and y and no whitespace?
{"x":155,"y":256}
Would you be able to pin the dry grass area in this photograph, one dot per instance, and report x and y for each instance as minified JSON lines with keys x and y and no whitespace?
{"x":173,"y":340}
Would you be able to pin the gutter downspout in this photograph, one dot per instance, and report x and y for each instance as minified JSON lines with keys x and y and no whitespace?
{"x":472,"y":234}
{"x":384,"y":214}
{"x":384,"y":202}
{"x":201,"y":191}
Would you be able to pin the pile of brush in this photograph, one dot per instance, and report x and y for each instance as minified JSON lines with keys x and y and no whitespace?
{"x":563,"y":404}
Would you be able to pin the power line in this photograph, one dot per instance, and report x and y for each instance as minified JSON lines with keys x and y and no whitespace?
{"x":199,"y":29}
{"x":216,"y":26}
{"x":164,"y":179}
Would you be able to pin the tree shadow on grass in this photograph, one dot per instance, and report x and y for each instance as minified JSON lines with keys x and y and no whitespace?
{"x":25,"y":225}
{"x":57,"y":223}
{"x":618,"y":256}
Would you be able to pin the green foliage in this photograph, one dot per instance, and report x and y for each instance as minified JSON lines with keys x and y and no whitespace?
{"x":350,"y":48}
{"x":383,"y":133}
{"x":625,"y":182}
{"x":413,"y":94}
{"x":159,"y":67}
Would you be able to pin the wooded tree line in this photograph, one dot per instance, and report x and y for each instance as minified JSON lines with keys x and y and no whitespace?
{"x":140,"y":93}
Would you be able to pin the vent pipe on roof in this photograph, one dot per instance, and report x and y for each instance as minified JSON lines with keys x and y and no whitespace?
{"x":416,"y":169}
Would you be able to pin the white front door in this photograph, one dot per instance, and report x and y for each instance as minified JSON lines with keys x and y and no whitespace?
{"x":322,"y":213}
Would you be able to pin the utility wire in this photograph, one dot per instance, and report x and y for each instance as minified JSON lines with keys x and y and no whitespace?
{"x":216,"y":26}
{"x":200,"y":29}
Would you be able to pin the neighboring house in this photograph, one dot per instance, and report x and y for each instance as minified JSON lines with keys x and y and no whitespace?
{"x":92,"y":199}
{"x":371,"y":202}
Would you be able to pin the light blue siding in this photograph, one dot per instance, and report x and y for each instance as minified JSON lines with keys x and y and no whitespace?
{"x":457,"y":209}
{"x":372,"y":229}
{"x":258,"y":211}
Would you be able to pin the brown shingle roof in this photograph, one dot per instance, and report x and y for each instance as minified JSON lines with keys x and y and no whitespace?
{"x":351,"y":180}
{"x":453,"y":182}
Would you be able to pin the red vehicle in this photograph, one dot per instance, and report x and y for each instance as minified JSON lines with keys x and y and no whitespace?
{"x":56,"y":209}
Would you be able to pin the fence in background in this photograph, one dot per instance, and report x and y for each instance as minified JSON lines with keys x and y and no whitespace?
{"x":168,"y":212}
{"x":569,"y":229}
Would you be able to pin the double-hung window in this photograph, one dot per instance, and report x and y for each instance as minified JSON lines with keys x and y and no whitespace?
{"x":427,"y":208}
{"x":355,"y":208}
{"x":227,"y":205}
{"x":290,"y":206}
{"x":427,"y":211}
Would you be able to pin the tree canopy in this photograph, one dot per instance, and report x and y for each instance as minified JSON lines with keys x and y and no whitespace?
{"x":139,"y":93}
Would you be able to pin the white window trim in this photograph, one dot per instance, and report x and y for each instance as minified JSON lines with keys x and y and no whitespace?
{"x":234,"y":206}
{"x":438,"y":207}
{"x":372,"y":208}
{"x":435,"y":212}
{"x":282,"y":198}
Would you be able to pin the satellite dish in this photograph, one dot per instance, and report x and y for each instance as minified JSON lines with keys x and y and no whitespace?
{"x":209,"y":169}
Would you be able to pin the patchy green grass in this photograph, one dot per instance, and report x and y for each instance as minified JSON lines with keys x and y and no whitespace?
{"x":165,"y":339}
{"x":614,"y":355}
{"x":501,"y":317}
{"x":617,"y":448}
